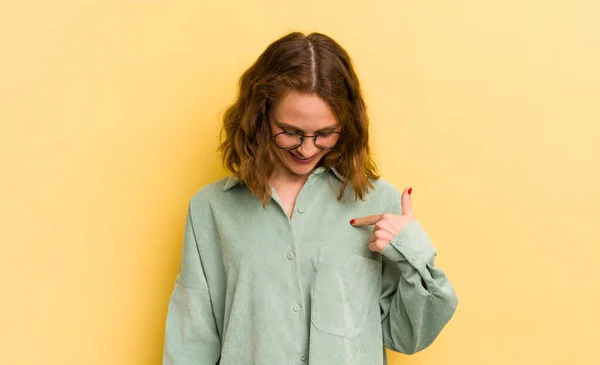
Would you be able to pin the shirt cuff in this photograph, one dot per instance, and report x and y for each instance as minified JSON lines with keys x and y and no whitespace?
{"x":412,"y":244}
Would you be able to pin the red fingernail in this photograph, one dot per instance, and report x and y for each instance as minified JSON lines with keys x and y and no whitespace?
{"x":352,"y":221}
{"x":409,"y":191}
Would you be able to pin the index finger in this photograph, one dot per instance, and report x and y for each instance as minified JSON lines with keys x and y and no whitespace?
{"x":407,"y":202}
{"x":366,"y":221}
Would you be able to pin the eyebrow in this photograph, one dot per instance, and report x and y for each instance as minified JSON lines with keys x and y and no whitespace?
{"x":289,"y":126}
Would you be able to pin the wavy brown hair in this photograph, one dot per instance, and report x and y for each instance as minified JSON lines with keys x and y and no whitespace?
{"x":313,"y":64}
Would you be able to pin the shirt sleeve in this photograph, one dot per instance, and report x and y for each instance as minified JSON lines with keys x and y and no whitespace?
{"x":417,"y":299}
{"x":191,"y":335}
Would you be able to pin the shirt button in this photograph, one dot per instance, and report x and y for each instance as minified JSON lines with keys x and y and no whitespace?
{"x":296,"y":307}
{"x":303,"y":357}
{"x":300,"y":210}
{"x":401,"y":240}
{"x":290,"y":256}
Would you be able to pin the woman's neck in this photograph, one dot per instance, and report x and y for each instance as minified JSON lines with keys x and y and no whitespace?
{"x":287,"y":186}
{"x":284,"y":181}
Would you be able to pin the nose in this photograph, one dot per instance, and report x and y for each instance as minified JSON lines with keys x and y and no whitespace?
{"x":308,"y":148}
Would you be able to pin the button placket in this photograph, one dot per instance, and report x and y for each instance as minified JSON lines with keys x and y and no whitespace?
{"x":297,"y":225}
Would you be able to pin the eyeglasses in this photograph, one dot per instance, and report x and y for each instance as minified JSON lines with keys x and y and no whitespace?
{"x":292,"y":140}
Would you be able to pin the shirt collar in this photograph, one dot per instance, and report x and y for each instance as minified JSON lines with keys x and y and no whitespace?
{"x":233,"y":180}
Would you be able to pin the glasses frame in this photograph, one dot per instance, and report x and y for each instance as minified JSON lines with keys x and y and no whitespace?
{"x":302,"y":137}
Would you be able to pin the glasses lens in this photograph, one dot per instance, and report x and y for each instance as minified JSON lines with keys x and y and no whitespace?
{"x":288,"y":140}
{"x":327,"y":140}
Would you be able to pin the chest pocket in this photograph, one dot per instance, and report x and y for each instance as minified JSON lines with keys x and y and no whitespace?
{"x":346,"y":286}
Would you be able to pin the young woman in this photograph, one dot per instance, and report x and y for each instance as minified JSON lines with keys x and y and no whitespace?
{"x":304,"y":255}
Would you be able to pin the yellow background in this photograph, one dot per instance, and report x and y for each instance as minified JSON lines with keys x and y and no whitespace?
{"x":109,"y":115}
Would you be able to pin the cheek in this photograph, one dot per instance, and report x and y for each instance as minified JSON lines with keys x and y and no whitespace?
{"x":323,"y":153}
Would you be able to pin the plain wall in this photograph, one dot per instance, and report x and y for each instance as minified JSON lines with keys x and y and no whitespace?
{"x":110,"y":112}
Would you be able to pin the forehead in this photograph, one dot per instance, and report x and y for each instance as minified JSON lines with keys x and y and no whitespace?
{"x":305,"y":111}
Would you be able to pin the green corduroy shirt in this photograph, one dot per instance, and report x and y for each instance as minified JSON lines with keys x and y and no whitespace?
{"x":258,"y":288}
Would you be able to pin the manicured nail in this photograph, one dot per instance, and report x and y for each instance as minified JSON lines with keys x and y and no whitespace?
{"x":409,"y":191}
{"x":352,"y":221}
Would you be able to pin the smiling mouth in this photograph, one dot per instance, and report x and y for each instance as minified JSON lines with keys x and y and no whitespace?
{"x":302,"y":160}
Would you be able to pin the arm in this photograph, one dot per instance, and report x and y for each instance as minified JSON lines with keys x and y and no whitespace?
{"x":191,"y":335}
{"x":417,"y":299}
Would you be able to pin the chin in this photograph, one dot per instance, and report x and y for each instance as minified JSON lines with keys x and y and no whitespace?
{"x":301,"y":169}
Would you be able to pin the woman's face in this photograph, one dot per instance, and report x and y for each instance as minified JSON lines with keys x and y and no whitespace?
{"x":308,"y":115}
